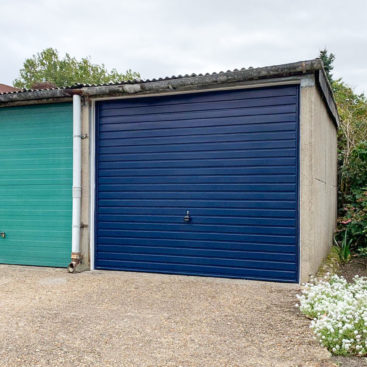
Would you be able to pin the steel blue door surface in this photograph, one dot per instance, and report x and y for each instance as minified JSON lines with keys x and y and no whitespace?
{"x":200,"y":184}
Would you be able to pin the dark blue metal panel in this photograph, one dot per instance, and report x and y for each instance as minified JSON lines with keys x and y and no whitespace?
{"x":230,"y":158}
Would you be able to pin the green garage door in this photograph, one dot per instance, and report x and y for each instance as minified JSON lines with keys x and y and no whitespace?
{"x":36,"y":184}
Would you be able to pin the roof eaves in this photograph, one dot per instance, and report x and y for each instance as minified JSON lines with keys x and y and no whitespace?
{"x":188,"y":82}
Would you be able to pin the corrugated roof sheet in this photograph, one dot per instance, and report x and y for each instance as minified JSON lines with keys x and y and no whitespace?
{"x":135,"y":81}
{"x":185,"y":83}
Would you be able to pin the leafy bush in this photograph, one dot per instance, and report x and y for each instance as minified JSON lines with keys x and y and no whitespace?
{"x":353,"y":214}
{"x":355,"y":174}
{"x":354,"y":220}
{"x":352,"y":157}
{"x":339,"y":313}
{"x":362,"y":252}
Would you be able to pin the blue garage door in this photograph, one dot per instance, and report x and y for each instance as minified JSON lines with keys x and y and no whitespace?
{"x":201,"y":184}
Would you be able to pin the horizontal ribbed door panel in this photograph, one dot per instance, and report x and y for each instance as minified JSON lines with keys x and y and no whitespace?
{"x":229,"y":158}
{"x":36,"y":184}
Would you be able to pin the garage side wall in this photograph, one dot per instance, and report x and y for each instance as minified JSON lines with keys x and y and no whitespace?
{"x":318,"y":181}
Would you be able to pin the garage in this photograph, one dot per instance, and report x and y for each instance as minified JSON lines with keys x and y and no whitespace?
{"x":35,"y":184}
{"x":230,"y":174}
{"x":199,"y":184}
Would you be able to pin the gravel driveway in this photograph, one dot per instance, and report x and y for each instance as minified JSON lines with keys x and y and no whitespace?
{"x":51,"y":318}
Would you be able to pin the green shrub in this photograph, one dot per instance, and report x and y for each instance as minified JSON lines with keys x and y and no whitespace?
{"x":362,"y":252}
{"x":353,"y":214}
{"x":352,"y":158}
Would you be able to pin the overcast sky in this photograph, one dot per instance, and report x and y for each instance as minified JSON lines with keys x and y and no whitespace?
{"x":166,"y":37}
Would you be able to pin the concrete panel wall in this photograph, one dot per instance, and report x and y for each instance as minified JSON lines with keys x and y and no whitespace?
{"x":318,"y":181}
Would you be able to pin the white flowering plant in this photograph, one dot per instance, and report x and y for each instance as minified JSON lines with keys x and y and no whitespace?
{"x":338,"y":310}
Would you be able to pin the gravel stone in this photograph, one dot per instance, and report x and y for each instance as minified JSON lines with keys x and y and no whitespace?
{"x":51,"y":318}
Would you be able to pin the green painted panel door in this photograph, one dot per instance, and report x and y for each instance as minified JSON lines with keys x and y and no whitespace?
{"x":36,"y":151}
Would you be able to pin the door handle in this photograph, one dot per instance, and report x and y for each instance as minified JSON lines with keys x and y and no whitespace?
{"x":187,"y":217}
{"x":2,"y":234}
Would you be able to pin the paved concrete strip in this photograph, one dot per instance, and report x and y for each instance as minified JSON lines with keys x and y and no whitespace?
{"x":51,"y":318}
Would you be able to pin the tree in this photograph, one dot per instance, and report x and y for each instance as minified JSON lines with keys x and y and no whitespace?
{"x":328,"y":60}
{"x":47,"y":66}
{"x":352,"y":109}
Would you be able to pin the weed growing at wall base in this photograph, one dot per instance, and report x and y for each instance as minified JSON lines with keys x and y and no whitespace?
{"x":338,"y":310}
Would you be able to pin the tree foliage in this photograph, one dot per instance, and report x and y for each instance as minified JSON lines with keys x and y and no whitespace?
{"x":328,"y":60}
{"x":352,"y":157}
{"x":352,"y":109}
{"x":353,"y":213}
{"x":48,"y":66}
